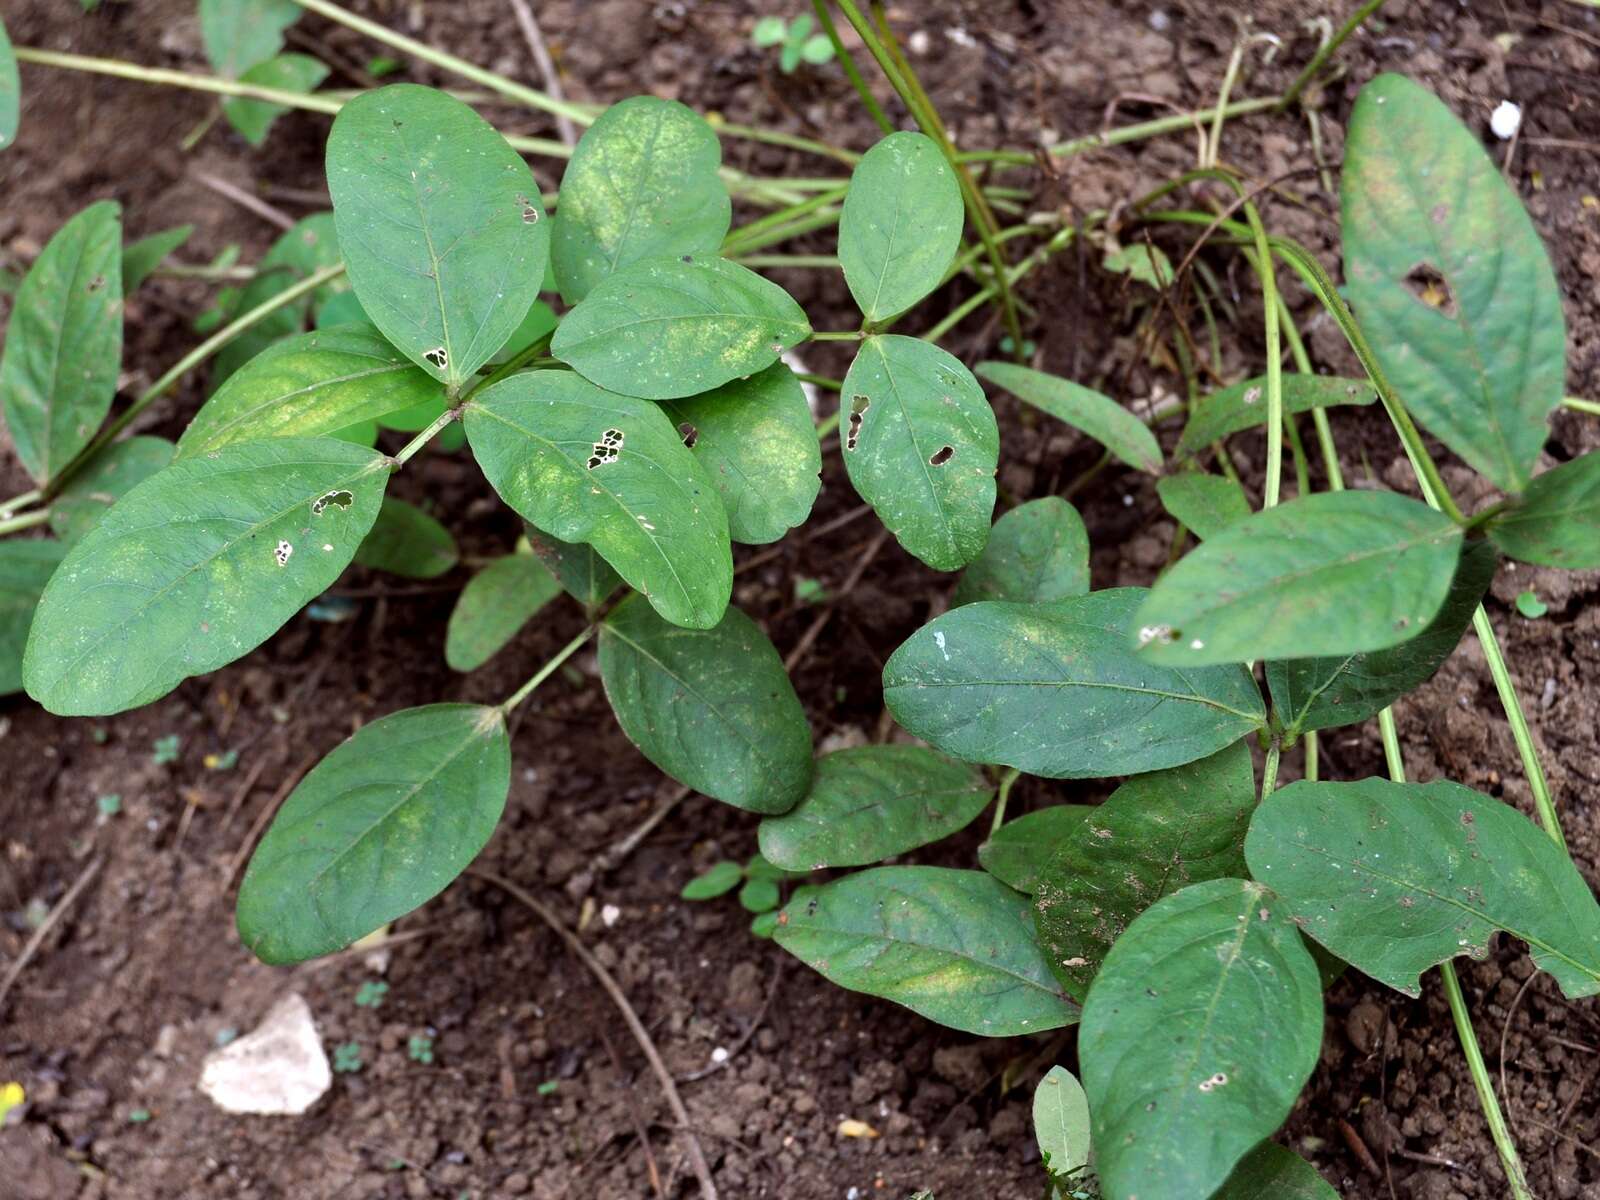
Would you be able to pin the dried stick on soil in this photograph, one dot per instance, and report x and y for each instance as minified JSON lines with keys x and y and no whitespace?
{"x":547,"y":68}
{"x":266,"y":815}
{"x":612,"y":856}
{"x":697,"y":1158}
{"x":48,"y":924}
{"x":244,"y":199}
{"x":809,"y":637}
{"x":638,"y":1121}
{"x":744,"y":1038}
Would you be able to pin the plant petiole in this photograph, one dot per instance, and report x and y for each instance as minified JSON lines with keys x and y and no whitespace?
{"x":544,"y":672}
{"x":1326,"y":51}
{"x":25,"y":521}
{"x":1004,"y":794}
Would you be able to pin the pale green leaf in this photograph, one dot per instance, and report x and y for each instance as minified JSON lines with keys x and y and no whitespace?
{"x":1556,"y":522}
{"x":102,"y":481}
{"x":1244,"y":405}
{"x":141,"y":258}
{"x":407,"y":541}
{"x":497,"y":602}
{"x":1061,"y":1121}
{"x":306,"y":248}
{"x":1037,"y":552}
{"x":1086,"y":410}
{"x":240,"y":33}
{"x":25,"y":567}
{"x":287,"y":73}
{"x":1020,"y":849}
{"x":718,"y":879}
{"x":1205,"y":504}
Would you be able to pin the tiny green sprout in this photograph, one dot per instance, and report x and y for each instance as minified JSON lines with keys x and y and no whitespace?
{"x":108,"y":805}
{"x":226,"y":761}
{"x":808,"y":590}
{"x":798,"y":42}
{"x":164,"y":750}
{"x":1530,"y":606}
{"x":419,"y":1049}
{"x":759,"y":895}
{"x":548,"y":1087}
{"x":717,"y":880}
{"x":221,"y":308}
{"x":1008,"y":346}
{"x":381,"y":64}
{"x":347,"y":1058}
{"x":100,"y":735}
{"x":371,"y":994}
{"x":139,"y":1116}
{"x":764,"y":925}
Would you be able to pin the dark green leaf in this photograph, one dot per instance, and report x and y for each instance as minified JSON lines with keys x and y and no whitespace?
{"x":10,"y":90}
{"x":1061,"y":1121}
{"x":497,"y":602}
{"x":955,"y":946}
{"x":1086,"y":410}
{"x":285,"y":72}
{"x":311,"y":245}
{"x":870,"y":803}
{"x":1269,"y":1172}
{"x":377,"y":828}
{"x":921,"y":446}
{"x":407,"y":541}
{"x":1449,"y":280}
{"x":1019,"y":850}
{"x":1557,"y":520}
{"x":1396,"y":877}
{"x":717,"y":880}
{"x":1054,"y":690}
{"x":1036,"y":553}
{"x":1201,"y":1029}
{"x":539,"y":323}
{"x":714,"y":709}
{"x":104,"y":480}
{"x":759,"y":896}
{"x":1205,"y":504}
{"x":25,"y":568}
{"x":584,"y":575}
{"x":342,"y":308}
{"x":1244,"y":405}
{"x":1329,"y":573}
{"x":63,"y":345}
{"x":240,"y":33}
{"x":196,"y":566}
{"x":141,"y":258}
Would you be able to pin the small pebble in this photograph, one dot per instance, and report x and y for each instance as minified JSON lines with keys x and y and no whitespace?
{"x":1506,"y":120}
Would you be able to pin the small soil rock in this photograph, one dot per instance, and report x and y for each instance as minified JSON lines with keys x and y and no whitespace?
{"x":278,"y":1069}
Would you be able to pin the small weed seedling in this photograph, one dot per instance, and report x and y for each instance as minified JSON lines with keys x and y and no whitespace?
{"x":419,"y":1049}
{"x":372,"y":994}
{"x":347,"y":1058}
{"x":165,"y":750}
{"x":798,"y":44}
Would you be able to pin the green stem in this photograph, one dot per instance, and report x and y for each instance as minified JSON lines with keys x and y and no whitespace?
{"x":1532,"y":767}
{"x":1583,"y":406}
{"x":852,"y":72}
{"x":1269,"y":770}
{"x":25,"y":521}
{"x":21,"y":500}
{"x":544,"y":672}
{"x":409,"y":450}
{"x":1006,"y":780}
{"x":1177,"y":123}
{"x":733,"y":243}
{"x":821,"y":219}
{"x":824,"y":381}
{"x":1327,"y":50}
{"x":824,"y":262}
{"x":838,"y":335}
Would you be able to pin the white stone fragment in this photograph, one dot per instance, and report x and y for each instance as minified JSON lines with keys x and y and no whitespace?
{"x":1506,"y":120}
{"x":277,"y":1069}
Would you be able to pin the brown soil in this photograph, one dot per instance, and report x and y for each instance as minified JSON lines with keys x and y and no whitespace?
{"x":111,"y":1021}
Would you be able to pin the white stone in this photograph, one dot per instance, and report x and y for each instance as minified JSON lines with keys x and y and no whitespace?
{"x":279,"y":1068}
{"x":1506,"y":120}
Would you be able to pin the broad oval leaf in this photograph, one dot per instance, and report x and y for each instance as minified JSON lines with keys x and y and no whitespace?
{"x":237,"y":34}
{"x":591,"y":466}
{"x":921,"y":446}
{"x":900,"y":226}
{"x":1061,"y":1122}
{"x":583,"y":574}
{"x":1156,"y":834}
{"x":663,"y":328}
{"x":10,"y":90}
{"x":954,"y":946}
{"x":1328,"y":573}
{"x":1319,"y":693}
{"x":441,"y":225}
{"x":1269,"y":1172}
{"x":197,"y":566}
{"x":869,"y":803}
{"x":1397,"y":877}
{"x":63,"y":345}
{"x":1556,"y":522}
{"x":25,"y":567}
{"x":1480,"y":353}
{"x":1201,"y":1029}
{"x":714,"y":709}
{"x":408,"y":542}
{"x":310,"y":245}
{"x":253,"y":119}
{"x":1085,"y":409}
{"x":643,"y":182}
{"x":379,"y":827}
{"x":1054,"y":690}
{"x":757,"y":442}
{"x":310,"y":385}
{"x":1205,"y":504}
{"x":1036,"y":553}
{"x":497,"y":602}
{"x":141,"y":258}
{"x":102,"y":481}
{"x":1018,"y":852}
{"x":1244,"y":405}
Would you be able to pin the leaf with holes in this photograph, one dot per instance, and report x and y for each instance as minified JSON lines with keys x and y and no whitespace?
{"x":1200,"y":1030}
{"x":1397,"y":877}
{"x":1054,"y":690}
{"x":10,"y":90}
{"x":921,"y":446}
{"x":955,"y":946}
{"x":1205,"y":504}
{"x":712,"y":708}
{"x":643,"y":182}
{"x":756,"y":440}
{"x":379,"y":827}
{"x":663,"y":328}
{"x":1036,"y":553}
{"x":1086,"y":410}
{"x":1244,"y":405}
{"x":309,"y":246}
{"x":583,"y":574}
{"x":102,"y":481}
{"x":869,"y":803}
{"x":1556,"y":522}
{"x":1329,"y":573}
{"x":310,"y":385}
{"x":443,"y":231}
{"x":240,"y":33}
{"x":1018,"y":852}
{"x":1269,"y":1172}
{"x":1061,"y":1122}
{"x":197,"y":566}
{"x":900,"y":226}
{"x":253,"y":119}
{"x":590,"y":466}
{"x":496,"y":603}
{"x":1480,"y":354}
{"x":63,"y":346}
{"x":1158,"y":833}
{"x":408,"y":542}
{"x":141,"y":258}
{"x":25,"y":567}
{"x":1320,"y":693}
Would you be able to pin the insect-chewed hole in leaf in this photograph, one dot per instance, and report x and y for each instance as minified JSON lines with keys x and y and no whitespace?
{"x":606,"y":449}
{"x":530,"y":214}
{"x":1251,"y":395}
{"x":340,"y":497}
{"x":282,"y":552}
{"x":941,"y":456}
{"x":1220,"y":1079}
{"x":689,"y":433}
{"x":1162,"y":634}
{"x":1429,"y":286}
{"x":98,"y":282}
{"x":438,"y":357}
{"x":858,"y":410}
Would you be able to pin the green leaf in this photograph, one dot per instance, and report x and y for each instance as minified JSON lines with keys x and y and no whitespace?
{"x":63,"y":347}
{"x":583,"y":574}
{"x":956,"y":947}
{"x":643,"y":183}
{"x":1269,"y":1172}
{"x":1061,"y":1122}
{"x":1201,"y":1029}
{"x":540,"y":322}
{"x":407,"y":541}
{"x":1480,"y":357}
{"x":10,"y":90}
{"x":1397,"y":877}
{"x":342,"y":308}
{"x":306,"y":248}
{"x":769,"y":31}
{"x":25,"y":567}
{"x":714,"y":709}
{"x":1244,"y":405}
{"x":1054,"y":690}
{"x":759,"y":896}
{"x":240,"y":33}
{"x":756,"y":441}
{"x":1319,"y":693}
{"x":921,"y":446}
{"x":378,"y":828}
{"x":497,"y":602}
{"x":1329,"y":573}
{"x":310,"y":385}
{"x":1204,"y":504}
{"x":102,"y":481}
{"x":1142,"y":262}
{"x":1530,"y":606}
{"x":1036,"y":553}
{"x":443,"y":231}
{"x":1158,"y":833}
{"x":141,"y":258}
{"x":286,"y":72}
{"x":196,"y":566}
{"x":716,"y":880}
{"x":590,"y":466}
{"x":817,"y":50}
{"x":1086,"y":410}
{"x":1019,"y":850}
{"x":870,"y":803}
{"x":900,"y":226}
{"x":663,"y":328}
{"x":789,"y":57}
{"x":1556,"y":522}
